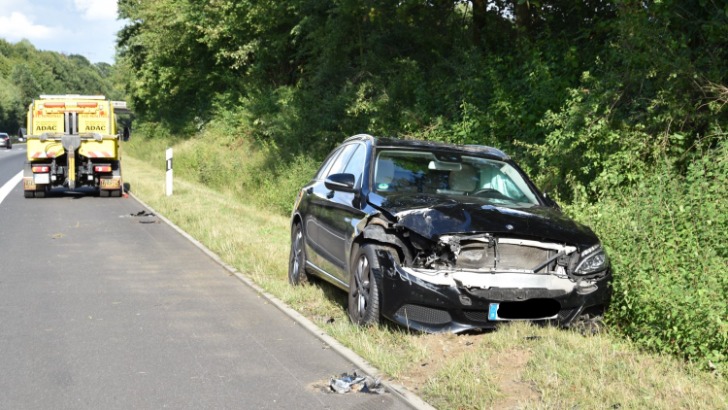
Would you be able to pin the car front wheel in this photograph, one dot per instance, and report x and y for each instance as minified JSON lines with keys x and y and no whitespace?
{"x":297,"y":261}
{"x":364,"y":288}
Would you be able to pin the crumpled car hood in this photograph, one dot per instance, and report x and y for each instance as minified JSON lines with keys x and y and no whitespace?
{"x":434,"y":215}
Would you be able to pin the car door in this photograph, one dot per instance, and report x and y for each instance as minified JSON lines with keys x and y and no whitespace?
{"x":346,"y":213}
{"x":341,"y":214}
{"x":318,"y":216}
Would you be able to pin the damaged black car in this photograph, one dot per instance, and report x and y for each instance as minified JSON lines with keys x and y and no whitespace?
{"x":443,"y":238}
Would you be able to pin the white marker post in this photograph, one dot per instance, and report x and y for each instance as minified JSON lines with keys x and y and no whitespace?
{"x":168,"y":189}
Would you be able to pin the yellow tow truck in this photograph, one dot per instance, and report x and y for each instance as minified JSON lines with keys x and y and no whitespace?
{"x":72,"y":142}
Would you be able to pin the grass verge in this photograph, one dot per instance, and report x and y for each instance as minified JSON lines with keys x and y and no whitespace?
{"x":518,"y":366}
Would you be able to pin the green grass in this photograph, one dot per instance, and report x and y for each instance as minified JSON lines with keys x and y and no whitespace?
{"x":518,"y":366}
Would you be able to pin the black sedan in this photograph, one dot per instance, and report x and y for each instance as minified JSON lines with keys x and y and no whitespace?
{"x":440,"y":237}
{"x":5,"y":141}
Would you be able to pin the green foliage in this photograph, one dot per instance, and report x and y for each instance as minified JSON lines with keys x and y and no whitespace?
{"x":265,"y":176}
{"x":666,"y":237}
{"x":25,"y":73}
{"x":11,"y":107}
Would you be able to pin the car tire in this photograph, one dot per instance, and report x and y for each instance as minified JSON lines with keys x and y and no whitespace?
{"x":297,"y":261}
{"x":364,"y":288}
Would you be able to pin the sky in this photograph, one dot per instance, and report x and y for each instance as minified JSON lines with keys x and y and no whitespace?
{"x":85,"y":27}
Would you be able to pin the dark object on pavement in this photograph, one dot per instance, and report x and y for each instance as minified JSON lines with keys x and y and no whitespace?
{"x":354,"y":383}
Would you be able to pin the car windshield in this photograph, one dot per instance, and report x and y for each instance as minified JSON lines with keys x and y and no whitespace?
{"x":453,"y":175}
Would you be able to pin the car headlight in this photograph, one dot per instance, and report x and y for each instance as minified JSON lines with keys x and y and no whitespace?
{"x":593,"y":260}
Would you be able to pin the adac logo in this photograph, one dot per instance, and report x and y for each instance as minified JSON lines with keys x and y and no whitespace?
{"x":95,"y":128}
{"x":45,"y":128}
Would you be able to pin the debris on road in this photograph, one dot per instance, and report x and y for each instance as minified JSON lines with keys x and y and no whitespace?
{"x":346,"y":383}
{"x":143,"y":212}
{"x":145,"y":216}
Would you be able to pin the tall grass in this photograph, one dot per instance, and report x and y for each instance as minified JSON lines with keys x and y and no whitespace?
{"x":257,"y":174}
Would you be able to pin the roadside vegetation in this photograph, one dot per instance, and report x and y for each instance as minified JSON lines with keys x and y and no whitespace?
{"x":26,"y":72}
{"x":517,"y":366}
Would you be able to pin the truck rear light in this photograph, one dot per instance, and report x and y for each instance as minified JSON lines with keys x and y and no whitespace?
{"x":40,"y":169}
{"x":49,"y":104}
{"x":87,"y":104}
{"x":102,"y":168}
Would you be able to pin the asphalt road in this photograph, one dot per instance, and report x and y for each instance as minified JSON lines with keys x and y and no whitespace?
{"x":100,"y":309}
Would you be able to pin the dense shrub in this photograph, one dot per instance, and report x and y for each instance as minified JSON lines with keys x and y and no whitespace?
{"x":666,"y":238}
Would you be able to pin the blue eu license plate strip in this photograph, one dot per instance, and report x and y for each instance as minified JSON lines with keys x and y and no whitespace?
{"x":493,"y":311}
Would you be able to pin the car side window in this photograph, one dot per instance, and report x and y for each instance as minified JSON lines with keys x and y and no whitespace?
{"x":342,"y":159}
{"x":323,"y":171}
{"x":356,"y":163}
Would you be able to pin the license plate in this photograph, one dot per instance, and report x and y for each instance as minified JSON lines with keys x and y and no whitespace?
{"x":42,"y":178}
{"x":109,"y":183}
{"x":493,"y":311}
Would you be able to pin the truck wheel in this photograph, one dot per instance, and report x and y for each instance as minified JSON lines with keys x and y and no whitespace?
{"x":40,"y":194}
{"x":103,"y":193}
{"x":364,"y":288}
{"x":29,"y":194}
{"x":116,"y":193}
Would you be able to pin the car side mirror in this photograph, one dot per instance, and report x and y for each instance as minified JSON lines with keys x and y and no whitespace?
{"x":340,"y":182}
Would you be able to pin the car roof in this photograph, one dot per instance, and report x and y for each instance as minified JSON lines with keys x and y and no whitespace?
{"x":379,"y":142}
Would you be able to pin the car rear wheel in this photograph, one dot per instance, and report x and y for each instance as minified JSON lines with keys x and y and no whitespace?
{"x":364,"y":288}
{"x":297,"y":261}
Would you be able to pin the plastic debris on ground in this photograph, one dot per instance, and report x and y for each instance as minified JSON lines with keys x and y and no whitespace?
{"x":346,"y":383}
{"x":143,"y":212}
{"x":145,"y":217}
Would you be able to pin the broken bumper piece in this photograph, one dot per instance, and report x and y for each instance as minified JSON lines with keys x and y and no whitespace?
{"x":457,"y":301}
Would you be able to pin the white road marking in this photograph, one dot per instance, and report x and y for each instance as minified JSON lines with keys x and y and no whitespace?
{"x":5,"y":189}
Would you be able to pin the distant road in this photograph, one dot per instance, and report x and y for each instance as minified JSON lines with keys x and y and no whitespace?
{"x":100,"y":309}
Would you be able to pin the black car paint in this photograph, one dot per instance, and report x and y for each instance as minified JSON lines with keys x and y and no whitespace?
{"x":336,"y":221}
{"x":473,"y":214}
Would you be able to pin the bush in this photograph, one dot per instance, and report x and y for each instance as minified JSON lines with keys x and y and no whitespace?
{"x":666,"y":237}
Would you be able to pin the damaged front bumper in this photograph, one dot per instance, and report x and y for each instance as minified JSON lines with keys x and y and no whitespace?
{"x":460,"y":300}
